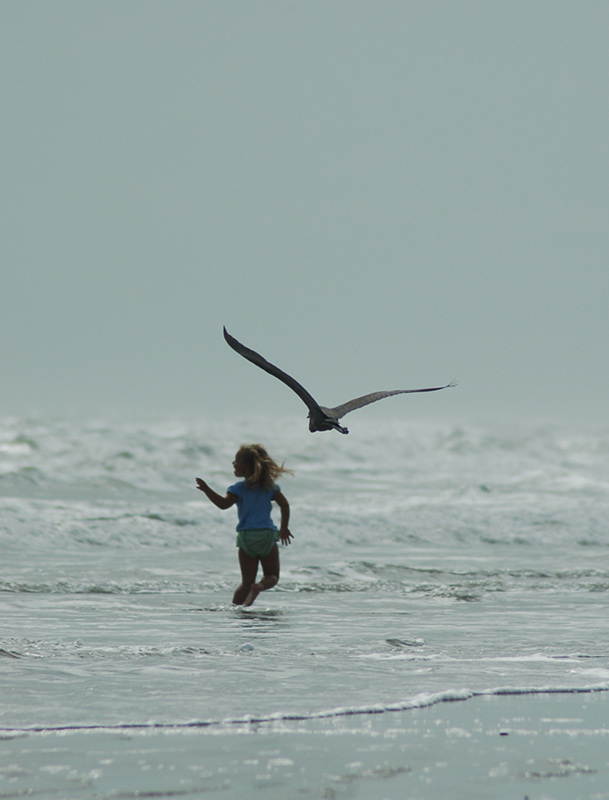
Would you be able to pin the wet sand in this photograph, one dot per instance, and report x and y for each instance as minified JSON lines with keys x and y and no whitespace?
{"x":541,"y":747}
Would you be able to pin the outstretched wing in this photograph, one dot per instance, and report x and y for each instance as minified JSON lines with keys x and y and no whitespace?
{"x":351,"y":405}
{"x":261,"y":362}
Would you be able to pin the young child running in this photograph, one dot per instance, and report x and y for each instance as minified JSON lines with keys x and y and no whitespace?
{"x":257,"y":535}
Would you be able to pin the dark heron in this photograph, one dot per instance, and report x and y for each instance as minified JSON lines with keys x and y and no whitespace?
{"x":321,"y":418}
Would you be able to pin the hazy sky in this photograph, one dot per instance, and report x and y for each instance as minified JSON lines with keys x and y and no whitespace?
{"x":374,"y":195}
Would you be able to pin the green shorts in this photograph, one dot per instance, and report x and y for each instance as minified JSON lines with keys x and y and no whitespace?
{"x":257,"y":543}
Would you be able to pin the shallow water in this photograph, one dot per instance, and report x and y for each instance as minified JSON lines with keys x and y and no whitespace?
{"x":428,"y":562}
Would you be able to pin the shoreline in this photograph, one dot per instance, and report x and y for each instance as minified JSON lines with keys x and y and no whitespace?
{"x":417,"y":702}
{"x":542,"y":745}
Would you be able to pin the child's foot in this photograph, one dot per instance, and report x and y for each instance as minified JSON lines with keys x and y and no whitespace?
{"x":255,"y":590}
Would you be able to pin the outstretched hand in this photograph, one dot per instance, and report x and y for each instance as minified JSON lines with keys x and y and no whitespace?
{"x":285,"y":536}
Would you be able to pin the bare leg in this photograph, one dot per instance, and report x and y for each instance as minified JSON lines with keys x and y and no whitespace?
{"x":270,"y":568}
{"x":249,"y":568}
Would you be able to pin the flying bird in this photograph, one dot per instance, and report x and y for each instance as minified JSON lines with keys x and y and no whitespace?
{"x":320,"y":418}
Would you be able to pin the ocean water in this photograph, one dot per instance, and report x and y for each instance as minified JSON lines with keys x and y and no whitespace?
{"x":430,"y":562}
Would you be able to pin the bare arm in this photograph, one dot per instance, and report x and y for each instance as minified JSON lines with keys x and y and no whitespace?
{"x":284,"y":506}
{"x":222,"y":502}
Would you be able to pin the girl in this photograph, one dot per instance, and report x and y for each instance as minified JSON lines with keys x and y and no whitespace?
{"x":257,"y":535}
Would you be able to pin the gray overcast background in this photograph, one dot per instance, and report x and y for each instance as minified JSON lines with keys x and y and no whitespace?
{"x":374,"y":195}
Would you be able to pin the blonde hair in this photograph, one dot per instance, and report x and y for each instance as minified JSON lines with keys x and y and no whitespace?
{"x":264,"y":470}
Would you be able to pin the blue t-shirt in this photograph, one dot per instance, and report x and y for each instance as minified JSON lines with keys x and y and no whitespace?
{"x":254,"y":506}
